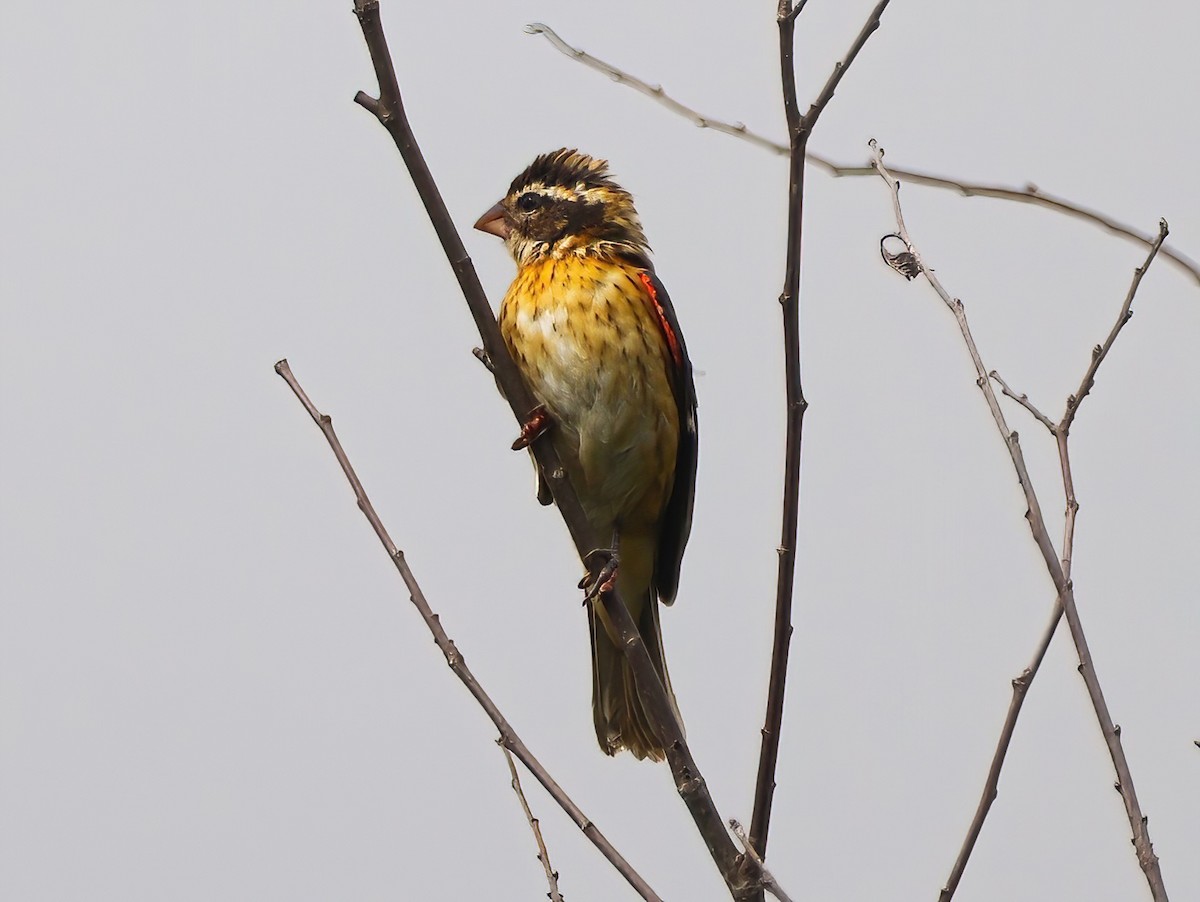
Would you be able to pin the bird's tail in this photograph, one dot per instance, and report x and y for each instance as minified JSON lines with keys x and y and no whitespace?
{"x":620,"y":717}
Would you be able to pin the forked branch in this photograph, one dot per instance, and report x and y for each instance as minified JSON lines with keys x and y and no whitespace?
{"x":799,"y":129}
{"x":768,"y":880}
{"x":1061,"y":433}
{"x":534,"y":826}
{"x":1059,"y":574}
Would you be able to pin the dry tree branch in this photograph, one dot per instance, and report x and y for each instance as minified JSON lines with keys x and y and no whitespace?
{"x":1061,"y":578}
{"x":543,"y":853}
{"x":508,"y":736}
{"x":1061,"y":432}
{"x":799,"y":128}
{"x":1023,"y":400}
{"x":1101,"y":351}
{"x":1020,"y":687}
{"x":656,"y":92}
{"x":1030,"y":194}
{"x":768,"y":880}
{"x":689,"y":782}
{"x":1062,"y":429}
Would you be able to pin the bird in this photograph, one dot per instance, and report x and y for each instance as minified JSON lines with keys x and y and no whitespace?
{"x":597,"y":341}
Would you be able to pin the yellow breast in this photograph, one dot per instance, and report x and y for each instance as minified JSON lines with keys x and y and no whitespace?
{"x":587,"y":339}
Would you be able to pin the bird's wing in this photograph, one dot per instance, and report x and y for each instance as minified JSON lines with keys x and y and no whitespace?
{"x":677,"y":518}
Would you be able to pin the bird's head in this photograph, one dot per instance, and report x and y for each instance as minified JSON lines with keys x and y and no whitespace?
{"x":566,"y":204}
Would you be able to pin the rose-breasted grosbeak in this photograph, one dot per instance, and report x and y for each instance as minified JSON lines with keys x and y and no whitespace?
{"x":596,"y":338}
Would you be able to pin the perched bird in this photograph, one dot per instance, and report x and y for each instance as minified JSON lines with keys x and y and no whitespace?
{"x":595,"y":336}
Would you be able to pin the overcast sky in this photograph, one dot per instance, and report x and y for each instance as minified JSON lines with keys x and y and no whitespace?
{"x":212,"y":686}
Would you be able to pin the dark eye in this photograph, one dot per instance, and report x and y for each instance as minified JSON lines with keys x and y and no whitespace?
{"x":529,"y":202}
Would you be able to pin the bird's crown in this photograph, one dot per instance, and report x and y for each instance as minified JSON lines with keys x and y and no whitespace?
{"x":567,"y":169}
{"x":565,"y":203}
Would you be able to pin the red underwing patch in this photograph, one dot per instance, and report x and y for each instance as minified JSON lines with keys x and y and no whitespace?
{"x":664,"y":324}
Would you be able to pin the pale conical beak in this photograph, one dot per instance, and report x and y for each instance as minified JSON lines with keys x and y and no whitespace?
{"x":493,"y":222}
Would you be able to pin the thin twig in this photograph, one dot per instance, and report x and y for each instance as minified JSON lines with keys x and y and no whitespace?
{"x":1062,"y":582}
{"x":796,"y":10}
{"x":1060,"y":431}
{"x":689,"y":782}
{"x":840,"y":69}
{"x":1112,"y":733}
{"x":508,"y":736}
{"x":1020,"y":687}
{"x":1023,"y":400}
{"x":770,"y":884}
{"x":656,"y":92}
{"x":543,"y":854}
{"x":1101,"y":350}
{"x":1030,"y":194}
{"x":799,"y":128}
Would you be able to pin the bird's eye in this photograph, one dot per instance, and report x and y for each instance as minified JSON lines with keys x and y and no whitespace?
{"x":529,"y":202}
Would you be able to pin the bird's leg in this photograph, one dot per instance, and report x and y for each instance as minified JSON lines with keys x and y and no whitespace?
{"x":602,"y":564}
{"x":537,"y":422}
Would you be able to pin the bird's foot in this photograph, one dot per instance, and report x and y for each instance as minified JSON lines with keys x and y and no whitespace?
{"x":537,"y":423}
{"x":602,"y":564}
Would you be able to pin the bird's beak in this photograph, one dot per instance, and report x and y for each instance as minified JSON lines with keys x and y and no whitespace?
{"x":493,"y":222}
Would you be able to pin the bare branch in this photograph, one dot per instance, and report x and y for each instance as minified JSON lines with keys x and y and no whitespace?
{"x":1023,"y":400}
{"x":1101,"y":351}
{"x":1062,"y":583}
{"x":796,"y":10}
{"x":1061,"y":441}
{"x":789,"y":301}
{"x":482,"y":356}
{"x":1062,"y":431}
{"x":508,"y":736}
{"x":656,"y":92}
{"x":799,"y":129}
{"x":840,"y":69}
{"x":1029,"y":194}
{"x":770,"y":884}
{"x":1020,"y":686}
{"x":543,"y":854}
{"x":1011,"y":440}
{"x":689,"y":782}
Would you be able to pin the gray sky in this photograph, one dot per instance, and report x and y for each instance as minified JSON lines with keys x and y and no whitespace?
{"x":212,"y":685}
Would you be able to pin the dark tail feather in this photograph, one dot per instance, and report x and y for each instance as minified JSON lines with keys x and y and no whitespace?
{"x":621,"y":720}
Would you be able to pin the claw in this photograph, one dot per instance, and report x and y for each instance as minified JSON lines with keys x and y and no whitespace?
{"x":603,"y":578}
{"x":532,"y":428}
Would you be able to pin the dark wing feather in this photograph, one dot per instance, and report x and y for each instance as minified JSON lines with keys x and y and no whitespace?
{"x":677,"y":518}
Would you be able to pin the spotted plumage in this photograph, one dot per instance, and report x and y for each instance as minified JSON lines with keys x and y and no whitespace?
{"x":596,"y":338}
